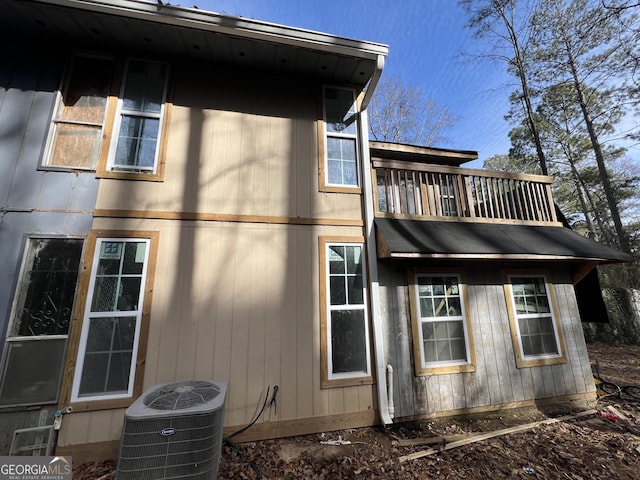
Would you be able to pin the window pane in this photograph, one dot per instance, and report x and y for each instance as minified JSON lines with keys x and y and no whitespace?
{"x":338,"y":291}
{"x":144,"y":86}
{"x":108,"y":354}
{"x":341,"y":161}
{"x":33,"y":371}
{"x":105,"y":294}
{"x":46,"y":293}
{"x":354,"y":264}
{"x":426,"y":307}
{"x":75,"y":145}
{"x":348,"y":341}
{"x":339,"y":111}
{"x":137,"y":141}
{"x":134,"y":254}
{"x":336,"y":259}
{"x":129,"y":294}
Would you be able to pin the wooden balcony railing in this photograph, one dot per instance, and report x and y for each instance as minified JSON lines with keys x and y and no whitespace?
{"x":461,"y":194}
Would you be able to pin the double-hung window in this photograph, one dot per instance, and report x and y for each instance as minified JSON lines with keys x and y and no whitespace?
{"x":76,"y":129}
{"x":116,"y":308}
{"x":36,"y":341}
{"x":345,"y":330}
{"x":441,"y":327}
{"x":341,"y":139}
{"x":537,"y":339}
{"x":135,"y":144}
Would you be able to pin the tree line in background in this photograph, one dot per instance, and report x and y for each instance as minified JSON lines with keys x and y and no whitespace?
{"x":574,"y":111}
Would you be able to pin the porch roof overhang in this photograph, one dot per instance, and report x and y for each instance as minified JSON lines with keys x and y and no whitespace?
{"x":400,"y":238}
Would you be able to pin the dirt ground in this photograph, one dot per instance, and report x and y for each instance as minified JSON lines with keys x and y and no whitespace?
{"x":604,"y":444}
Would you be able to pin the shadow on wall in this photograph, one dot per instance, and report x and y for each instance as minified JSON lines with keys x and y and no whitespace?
{"x":623,"y":307}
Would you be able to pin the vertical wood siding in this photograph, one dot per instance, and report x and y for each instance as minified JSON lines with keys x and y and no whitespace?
{"x":245,"y":310}
{"x":496,"y":379}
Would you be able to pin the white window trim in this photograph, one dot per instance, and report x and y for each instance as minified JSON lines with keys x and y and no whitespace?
{"x":353,"y":136}
{"x":330,"y":308}
{"x":462,"y":318}
{"x":120,"y":112}
{"x":88,"y":315}
{"x":551,"y":314}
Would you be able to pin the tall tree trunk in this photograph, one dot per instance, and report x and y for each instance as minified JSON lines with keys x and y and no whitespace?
{"x":623,"y":241}
{"x":526,"y":97}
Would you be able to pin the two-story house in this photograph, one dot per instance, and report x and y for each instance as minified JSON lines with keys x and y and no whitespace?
{"x":191,"y":171}
{"x":188,"y":195}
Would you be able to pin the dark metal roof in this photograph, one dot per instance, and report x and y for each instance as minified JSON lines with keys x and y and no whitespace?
{"x":470,"y":240}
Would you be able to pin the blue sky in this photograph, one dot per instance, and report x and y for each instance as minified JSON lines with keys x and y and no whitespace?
{"x":425,"y":38}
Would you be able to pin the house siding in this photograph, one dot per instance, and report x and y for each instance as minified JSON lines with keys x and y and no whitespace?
{"x":237,"y":300}
{"x":496,"y":380}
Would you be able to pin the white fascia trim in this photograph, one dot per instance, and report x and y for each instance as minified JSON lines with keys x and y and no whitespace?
{"x":241,"y":27}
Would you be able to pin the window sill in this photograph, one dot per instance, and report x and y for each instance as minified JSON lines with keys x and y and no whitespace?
{"x":445,"y":370}
{"x":148,"y":177}
{"x":347,"y":382}
{"x":538,"y":362}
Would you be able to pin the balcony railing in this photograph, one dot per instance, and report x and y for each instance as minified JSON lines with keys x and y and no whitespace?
{"x":406,"y":189}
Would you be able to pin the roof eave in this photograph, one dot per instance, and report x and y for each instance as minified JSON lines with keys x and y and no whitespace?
{"x":241,"y":27}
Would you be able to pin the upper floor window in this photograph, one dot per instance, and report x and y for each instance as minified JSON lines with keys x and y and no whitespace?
{"x":537,"y":337}
{"x":340,"y":138}
{"x":441,"y":328}
{"x":345,"y":331}
{"x":138,"y":118}
{"x":108,"y":122}
{"x":76,"y":129}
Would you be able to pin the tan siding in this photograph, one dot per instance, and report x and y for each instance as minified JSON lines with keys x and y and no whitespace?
{"x":251,"y":150}
{"x":239,"y":302}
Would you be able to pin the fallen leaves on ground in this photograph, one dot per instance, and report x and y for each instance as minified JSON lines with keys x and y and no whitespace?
{"x":597,"y":446}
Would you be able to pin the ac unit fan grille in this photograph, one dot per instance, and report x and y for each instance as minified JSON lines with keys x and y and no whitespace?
{"x":181,"y":395}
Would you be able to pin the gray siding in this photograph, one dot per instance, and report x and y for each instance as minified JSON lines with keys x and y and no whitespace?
{"x":32,"y":201}
{"x":496,"y":379}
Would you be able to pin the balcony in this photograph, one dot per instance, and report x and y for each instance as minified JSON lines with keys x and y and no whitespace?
{"x":444,"y":193}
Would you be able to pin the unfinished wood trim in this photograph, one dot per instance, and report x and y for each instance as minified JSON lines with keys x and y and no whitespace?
{"x":224,"y":217}
{"x":112,"y":107}
{"x":583,"y":271}
{"x":79,"y":313}
{"x":325,"y":382}
{"x":420,"y":371}
{"x":522,"y":362}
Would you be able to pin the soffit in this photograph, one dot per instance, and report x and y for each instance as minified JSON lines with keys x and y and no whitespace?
{"x":169,"y":31}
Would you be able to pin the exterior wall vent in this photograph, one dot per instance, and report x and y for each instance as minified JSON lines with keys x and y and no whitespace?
{"x":174,"y":430}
